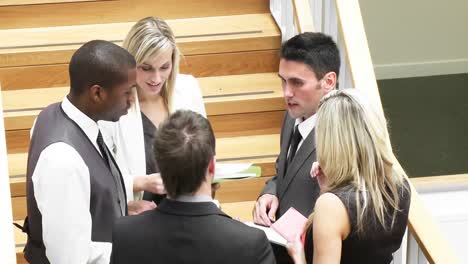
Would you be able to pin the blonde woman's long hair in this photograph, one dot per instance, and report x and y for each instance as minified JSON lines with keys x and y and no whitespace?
{"x":353,"y":149}
{"x":148,"y":38}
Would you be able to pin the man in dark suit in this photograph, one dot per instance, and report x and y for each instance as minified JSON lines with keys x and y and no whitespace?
{"x":309,"y":68}
{"x":187,"y":227}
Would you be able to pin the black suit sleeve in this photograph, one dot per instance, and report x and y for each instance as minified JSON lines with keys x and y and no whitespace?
{"x":263,"y":251}
{"x":113,"y":258}
{"x":118,"y":241}
{"x":271,"y":185}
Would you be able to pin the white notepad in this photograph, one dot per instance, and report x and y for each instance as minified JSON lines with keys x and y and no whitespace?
{"x":232,"y":171}
{"x":271,"y":234}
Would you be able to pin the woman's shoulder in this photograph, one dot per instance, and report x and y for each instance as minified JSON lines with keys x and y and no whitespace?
{"x":330,"y":202}
{"x":187,"y":95}
{"x":331,"y":213}
{"x":186,"y":87}
{"x":185,"y":81}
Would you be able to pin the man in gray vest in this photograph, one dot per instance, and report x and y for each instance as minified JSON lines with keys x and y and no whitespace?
{"x":75,"y":190}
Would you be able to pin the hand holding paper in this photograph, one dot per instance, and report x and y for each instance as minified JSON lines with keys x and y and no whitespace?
{"x":285,"y":229}
{"x":290,"y":225}
{"x":296,"y":250}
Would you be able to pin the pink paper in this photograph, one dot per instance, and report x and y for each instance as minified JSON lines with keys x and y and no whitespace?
{"x":290,"y":224}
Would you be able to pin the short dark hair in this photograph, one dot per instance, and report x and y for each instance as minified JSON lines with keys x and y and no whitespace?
{"x":183,"y":146}
{"x":99,"y":62}
{"x":316,"y":50}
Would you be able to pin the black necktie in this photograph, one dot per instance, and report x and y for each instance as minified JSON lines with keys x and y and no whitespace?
{"x":296,"y":138}
{"x":114,"y":169}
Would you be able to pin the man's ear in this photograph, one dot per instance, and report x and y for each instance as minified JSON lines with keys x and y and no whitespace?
{"x":328,"y":82}
{"x":212,"y":165}
{"x":211,"y":170}
{"x":96,"y":93}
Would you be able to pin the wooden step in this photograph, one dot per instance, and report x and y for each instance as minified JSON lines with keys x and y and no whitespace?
{"x":206,"y":65}
{"x":40,"y":46}
{"x":38,"y":57}
{"x":230,"y":191}
{"x":236,"y":105}
{"x":237,"y":210}
{"x":222,"y":95}
{"x":40,"y":2}
{"x":261,"y":150}
{"x":47,"y":13}
{"x":241,"y":210}
{"x":244,"y":124}
{"x":241,"y":190}
{"x":20,"y":240}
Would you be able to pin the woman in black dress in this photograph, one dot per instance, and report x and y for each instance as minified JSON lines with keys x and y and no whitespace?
{"x":362,"y":212}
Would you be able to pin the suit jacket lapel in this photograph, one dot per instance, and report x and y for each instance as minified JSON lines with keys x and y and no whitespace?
{"x":306,"y":149}
{"x":286,"y":135}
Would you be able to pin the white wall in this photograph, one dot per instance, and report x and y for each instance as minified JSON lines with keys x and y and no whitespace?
{"x":451,"y":212}
{"x":417,"y":37}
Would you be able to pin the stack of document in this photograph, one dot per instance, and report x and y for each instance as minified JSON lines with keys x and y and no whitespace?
{"x":285,"y":229}
{"x":231,"y":171}
{"x":271,"y":234}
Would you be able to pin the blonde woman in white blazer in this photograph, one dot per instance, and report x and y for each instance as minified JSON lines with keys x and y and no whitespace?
{"x":160,"y":91}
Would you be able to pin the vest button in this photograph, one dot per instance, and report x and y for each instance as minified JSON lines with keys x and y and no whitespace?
{"x":118,"y":201}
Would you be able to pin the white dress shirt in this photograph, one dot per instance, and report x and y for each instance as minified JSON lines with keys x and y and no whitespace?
{"x":126,"y":139}
{"x":62,"y":192}
{"x":305,"y":127}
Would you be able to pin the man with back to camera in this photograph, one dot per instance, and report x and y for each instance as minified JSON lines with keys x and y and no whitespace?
{"x":75,"y":190}
{"x":187,"y":226}
{"x":309,"y":68}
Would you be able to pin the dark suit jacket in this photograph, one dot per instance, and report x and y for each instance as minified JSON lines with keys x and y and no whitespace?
{"x":293,"y":185}
{"x":182,"y":232}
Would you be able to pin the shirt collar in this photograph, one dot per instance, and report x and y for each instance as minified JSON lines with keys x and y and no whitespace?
{"x":306,"y":126}
{"x":195,"y":199}
{"x":89,"y":127}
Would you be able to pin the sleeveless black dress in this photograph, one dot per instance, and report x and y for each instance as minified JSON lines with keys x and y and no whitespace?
{"x":378,"y":245}
{"x":149,"y":133}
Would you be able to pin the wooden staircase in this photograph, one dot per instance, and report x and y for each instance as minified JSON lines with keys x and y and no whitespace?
{"x":231,"y":47}
{"x":50,"y":13}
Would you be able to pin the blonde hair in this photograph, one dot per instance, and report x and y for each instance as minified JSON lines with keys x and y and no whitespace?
{"x":353,"y":149}
{"x":148,"y":38}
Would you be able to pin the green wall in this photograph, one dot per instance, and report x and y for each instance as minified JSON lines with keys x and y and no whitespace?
{"x":428,"y":121}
